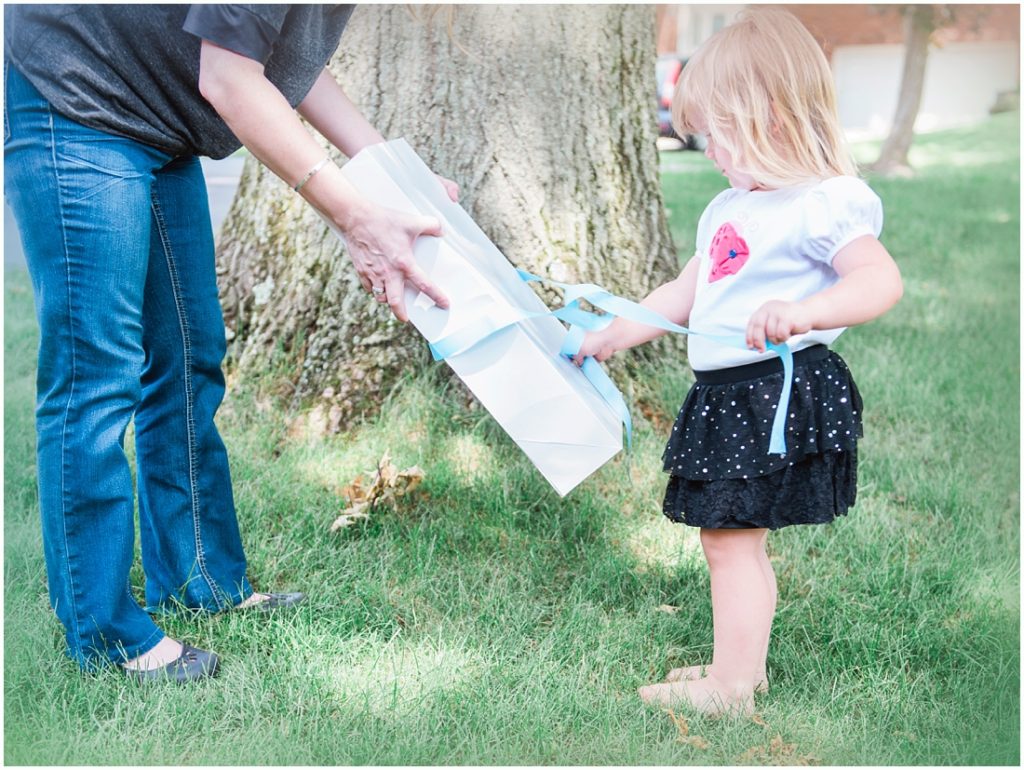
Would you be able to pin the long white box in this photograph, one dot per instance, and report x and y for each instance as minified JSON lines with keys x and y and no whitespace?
{"x":541,"y":399}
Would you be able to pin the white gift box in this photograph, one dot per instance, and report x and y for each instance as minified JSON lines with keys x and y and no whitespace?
{"x":541,"y":399}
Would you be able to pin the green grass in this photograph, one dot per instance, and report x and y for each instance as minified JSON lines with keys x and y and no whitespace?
{"x":486,"y":621}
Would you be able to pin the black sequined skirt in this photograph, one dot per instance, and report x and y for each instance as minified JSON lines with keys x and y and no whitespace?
{"x":721,"y":475}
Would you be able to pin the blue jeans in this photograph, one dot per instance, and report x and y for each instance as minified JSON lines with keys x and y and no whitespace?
{"x":119,"y":245}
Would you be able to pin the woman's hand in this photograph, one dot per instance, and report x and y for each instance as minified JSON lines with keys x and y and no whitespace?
{"x":380,"y":242}
{"x":449,"y":187}
{"x":777,"y":321}
{"x":596,"y":344}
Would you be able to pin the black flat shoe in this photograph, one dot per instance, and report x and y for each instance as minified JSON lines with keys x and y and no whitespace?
{"x":275,"y":602}
{"x":193,"y":664}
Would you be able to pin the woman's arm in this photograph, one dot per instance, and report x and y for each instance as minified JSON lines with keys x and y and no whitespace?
{"x":333,"y":114}
{"x":869,"y":285}
{"x":673,"y":300}
{"x":379,"y":239}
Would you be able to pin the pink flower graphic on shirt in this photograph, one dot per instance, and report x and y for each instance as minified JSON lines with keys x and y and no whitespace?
{"x":729,"y":253}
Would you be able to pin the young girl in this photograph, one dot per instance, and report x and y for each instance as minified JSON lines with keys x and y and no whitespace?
{"x":789,"y":253}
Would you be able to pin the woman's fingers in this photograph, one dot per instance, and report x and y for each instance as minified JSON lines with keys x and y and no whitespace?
{"x":381,"y":251}
{"x":425,"y":226}
{"x":395,"y":284}
{"x":450,"y":187}
{"x":395,"y":293}
{"x":417,"y":278}
{"x":409,"y":271}
{"x":381,"y":243}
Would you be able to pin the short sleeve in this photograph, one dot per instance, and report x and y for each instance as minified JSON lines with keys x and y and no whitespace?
{"x":838,"y":211}
{"x":249,"y":30}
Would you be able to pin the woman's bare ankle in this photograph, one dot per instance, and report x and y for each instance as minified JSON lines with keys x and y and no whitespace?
{"x":252,"y":600}
{"x":166,"y":651}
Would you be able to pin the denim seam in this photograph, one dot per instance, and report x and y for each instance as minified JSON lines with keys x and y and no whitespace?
{"x":71,"y":393}
{"x":7,"y":122}
{"x":189,"y":416}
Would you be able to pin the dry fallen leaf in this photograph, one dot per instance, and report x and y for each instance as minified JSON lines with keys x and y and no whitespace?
{"x":388,"y":484}
{"x":757,"y":719}
{"x":668,"y":608}
{"x":347,"y":520}
{"x":680,"y":722}
{"x":696,"y":741}
{"x":777,"y":746}
{"x":684,"y":731}
{"x":777,"y":752}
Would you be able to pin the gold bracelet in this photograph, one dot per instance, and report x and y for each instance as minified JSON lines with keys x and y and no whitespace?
{"x":312,"y":171}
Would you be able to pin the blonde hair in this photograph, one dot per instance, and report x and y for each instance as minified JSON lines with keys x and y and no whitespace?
{"x":763,"y":89}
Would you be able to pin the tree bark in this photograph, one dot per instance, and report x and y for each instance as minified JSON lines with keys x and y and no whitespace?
{"x":919,"y":22}
{"x":544,"y":115}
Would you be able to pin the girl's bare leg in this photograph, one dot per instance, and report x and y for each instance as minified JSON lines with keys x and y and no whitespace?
{"x":687,"y":673}
{"x":743,"y":604}
{"x":773,"y":588}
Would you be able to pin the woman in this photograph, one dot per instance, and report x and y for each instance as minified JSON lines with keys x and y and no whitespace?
{"x":107,"y":110}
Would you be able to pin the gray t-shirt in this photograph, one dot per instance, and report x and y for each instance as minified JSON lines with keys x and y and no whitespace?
{"x":133,"y":70}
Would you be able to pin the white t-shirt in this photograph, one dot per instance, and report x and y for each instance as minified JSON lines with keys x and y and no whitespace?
{"x":759,"y":245}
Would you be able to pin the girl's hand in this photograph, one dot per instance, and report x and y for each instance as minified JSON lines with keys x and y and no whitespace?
{"x":595,"y":344}
{"x":777,"y":321}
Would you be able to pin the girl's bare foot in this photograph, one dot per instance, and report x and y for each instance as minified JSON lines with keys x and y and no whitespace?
{"x":706,"y":695}
{"x":166,"y":651}
{"x":690,"y":673}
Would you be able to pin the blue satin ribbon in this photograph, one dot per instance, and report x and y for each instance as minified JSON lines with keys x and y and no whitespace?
{"x":581,"y":321}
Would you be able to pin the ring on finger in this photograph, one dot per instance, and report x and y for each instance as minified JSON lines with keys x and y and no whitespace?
{"x":378,"y":290}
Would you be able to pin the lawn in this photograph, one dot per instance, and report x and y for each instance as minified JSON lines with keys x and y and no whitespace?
{"x":485,"y":621}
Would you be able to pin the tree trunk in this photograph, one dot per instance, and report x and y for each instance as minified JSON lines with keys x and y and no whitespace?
{"x":919,"y":21}
{"x":544,"y":115}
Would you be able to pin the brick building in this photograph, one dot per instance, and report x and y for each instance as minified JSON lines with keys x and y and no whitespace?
{"x":972,"y":60}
